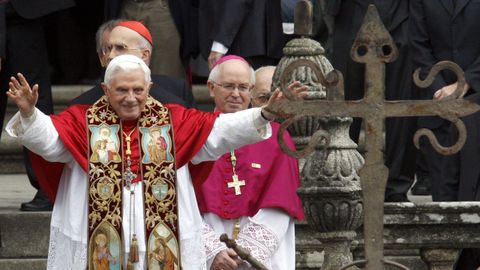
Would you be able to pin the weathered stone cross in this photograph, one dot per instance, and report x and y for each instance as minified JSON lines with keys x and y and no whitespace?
{"x":374,"y":47}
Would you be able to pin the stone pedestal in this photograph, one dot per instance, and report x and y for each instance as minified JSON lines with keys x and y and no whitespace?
{"x":330,"y":190}
{"x":439,"y":259}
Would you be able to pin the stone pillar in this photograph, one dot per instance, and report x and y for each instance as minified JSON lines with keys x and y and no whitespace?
{"x":439,"y":259}
{"x":330,"y":190}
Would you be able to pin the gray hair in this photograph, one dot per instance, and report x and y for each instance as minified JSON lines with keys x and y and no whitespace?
{"x":105,"y":27}
{"x":126,"y":63}
{"x":260,"y":69}
{"x":215,"y":72}
{"x":143,"y":43}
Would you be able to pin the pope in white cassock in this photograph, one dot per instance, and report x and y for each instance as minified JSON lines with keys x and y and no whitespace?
{"x":133,"y":203}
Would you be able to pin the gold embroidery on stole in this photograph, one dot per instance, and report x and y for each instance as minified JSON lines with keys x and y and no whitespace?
{"x":156,"y":145}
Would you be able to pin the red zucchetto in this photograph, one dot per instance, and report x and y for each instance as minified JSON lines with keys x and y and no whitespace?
{"x":139,"y":28}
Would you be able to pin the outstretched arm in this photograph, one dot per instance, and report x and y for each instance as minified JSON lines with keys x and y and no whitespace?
{"x":24,"y":97}
{"x":31,"y":127}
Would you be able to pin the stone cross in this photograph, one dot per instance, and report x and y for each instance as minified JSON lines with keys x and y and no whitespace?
{"x":374,"y":47}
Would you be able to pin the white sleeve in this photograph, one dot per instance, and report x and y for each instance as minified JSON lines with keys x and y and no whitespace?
{"x":38,"y":134}
{"x":233,"y":130}
{"x":219,"y":47}
{"x":212,"y":243}
{"x":262,"y":235}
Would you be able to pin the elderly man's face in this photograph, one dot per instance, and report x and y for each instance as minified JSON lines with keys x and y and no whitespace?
{"x":127,"y":93}
{"x":123,"y":40}
{"x":261,"y":91}
{"x":231,"y":90}
{"x":105,"y":50}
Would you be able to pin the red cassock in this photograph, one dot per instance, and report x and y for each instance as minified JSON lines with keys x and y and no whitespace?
{"x":190,"y":128}
{"x":271,"y":181}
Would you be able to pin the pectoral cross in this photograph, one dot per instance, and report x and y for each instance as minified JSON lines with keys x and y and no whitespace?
{"x":129,"y":176}
{"x":236,"y":184}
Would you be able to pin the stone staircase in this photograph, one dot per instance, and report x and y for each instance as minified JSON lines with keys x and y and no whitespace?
{"x":23,"y":240}
{"x":23,"y":236}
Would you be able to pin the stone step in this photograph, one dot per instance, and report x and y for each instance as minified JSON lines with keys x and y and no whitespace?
{"x":15,"y":189}
{"x":24,"y":239}
{"x":23,"y":264}
{"x":24,"y":235}
{"x":11,"y":155}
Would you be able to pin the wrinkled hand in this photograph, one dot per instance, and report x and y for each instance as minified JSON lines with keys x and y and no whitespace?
{"x":226,"y":260}
{"x":213,"y":58}
{"x":446,"y":91}
{"x":24,"y":97}
{"x":296,"y":88}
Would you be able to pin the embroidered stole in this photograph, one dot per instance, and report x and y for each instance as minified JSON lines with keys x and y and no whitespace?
{"x":107,"y":164}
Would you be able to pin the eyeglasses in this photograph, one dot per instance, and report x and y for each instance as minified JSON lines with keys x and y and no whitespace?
{"x":243,"y":88}
{"x":120,"y":48}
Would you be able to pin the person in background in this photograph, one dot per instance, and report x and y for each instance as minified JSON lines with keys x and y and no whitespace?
{"x":117,"y":37}
{"x":174,"y":29}
{"x":250,"y":194}
{"x":23,"y":49}
{"x":446,"y":30}
{"x":248,"y":28}
{"x":262,"y":89}
{"x":399,"y":149}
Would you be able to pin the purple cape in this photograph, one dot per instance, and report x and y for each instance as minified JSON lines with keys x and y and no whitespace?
{"x":271,"y":181}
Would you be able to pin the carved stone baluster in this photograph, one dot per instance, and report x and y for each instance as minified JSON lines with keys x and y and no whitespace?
{"x":439,"y":259}
{"x":330,"y":188}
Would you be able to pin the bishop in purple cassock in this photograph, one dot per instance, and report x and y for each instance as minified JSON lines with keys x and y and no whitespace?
{"x":250,"y":193}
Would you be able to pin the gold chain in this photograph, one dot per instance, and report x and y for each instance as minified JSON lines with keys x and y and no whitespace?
{"x":236,"y":227}
{"x":133,"y":256}
{"x":233,"y":159}
{"x":128,"y":139}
